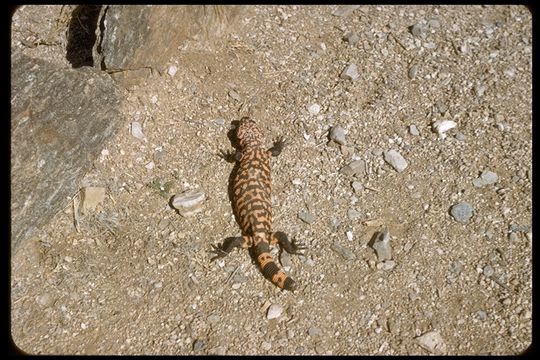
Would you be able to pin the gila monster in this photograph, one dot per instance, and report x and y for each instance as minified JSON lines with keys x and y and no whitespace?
{"x":251,"y":200}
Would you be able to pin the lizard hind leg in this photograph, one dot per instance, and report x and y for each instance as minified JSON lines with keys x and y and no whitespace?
{"x":222,"y":250}
{"x":291,"y":247}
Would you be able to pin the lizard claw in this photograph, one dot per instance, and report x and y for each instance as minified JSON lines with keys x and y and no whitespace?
{"x":217,"y":249}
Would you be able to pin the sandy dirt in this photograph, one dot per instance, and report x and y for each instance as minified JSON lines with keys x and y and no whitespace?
{"x":135,"y":277}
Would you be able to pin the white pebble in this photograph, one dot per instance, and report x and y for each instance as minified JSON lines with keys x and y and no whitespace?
{"x":314,"y":109}
{"x":432,"y":342}
{"x":154,"y":99}
{"x":349,"y":235}
{"x":172,"y":70}
{"x":150,"y":165}
{"x":395,"y":159}
{"x":136,"y":130}
{"x":274,"y":311}
{"x":414,"y":130}
{"x":350,"y":72}
{"x":442,"y":126}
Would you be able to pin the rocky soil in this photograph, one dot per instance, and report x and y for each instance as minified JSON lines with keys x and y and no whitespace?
{"x":412,"y":119}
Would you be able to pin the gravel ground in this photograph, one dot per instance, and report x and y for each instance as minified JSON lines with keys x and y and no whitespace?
{"x":134,"y":277}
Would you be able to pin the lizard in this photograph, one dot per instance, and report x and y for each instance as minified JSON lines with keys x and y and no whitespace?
{"x":251,"y":202}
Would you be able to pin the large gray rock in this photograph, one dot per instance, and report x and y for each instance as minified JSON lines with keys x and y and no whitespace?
{"x":139,"y":37}
{"x":60,"y":117}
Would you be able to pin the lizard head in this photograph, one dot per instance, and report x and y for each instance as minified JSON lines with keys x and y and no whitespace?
{"x":248,"y":134}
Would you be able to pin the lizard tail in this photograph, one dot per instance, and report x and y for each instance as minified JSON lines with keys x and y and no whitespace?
{"x":270,"y":269}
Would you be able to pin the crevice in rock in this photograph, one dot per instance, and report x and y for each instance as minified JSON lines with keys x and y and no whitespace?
{"x":82,"y":35}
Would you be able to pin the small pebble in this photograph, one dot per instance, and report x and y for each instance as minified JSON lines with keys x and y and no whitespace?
{"x":382,"y":247}
{"x":482,"y":315}
{"x":136,"y":130}
{"x":198,"y":345}
{"x":462,"y":212}
{"x":334,"y":222}
{"x":314,"y":109}
{"x":507,"y":301}
{"x":189,"y":202}
{"x":344,"y":10}
{"x":150,"y":165}
{"x":172,"y":70}
{"x":274,"y":311}
{"x":386,"y":265}
{"x":357,"y":186}
{"x":456,"y":267}
{"x":350,"y":73}
{"x":337,"y":134}
{"x":352,"y":38}
{"x":488,"y":271}
{"x":442,"y":126}
{"x":357,"y":167}
{"x":266,"y":345}
{"x":413,"y":130}
{"x":459,"y":136}
{"x":306,"y":217}
{"x":485,"y":179}
{"x":413,"y":71}
{"x":520,"y":228}
{"x":479,"y":90}
{"x":395,"y":160}
{"x":418,"y":30}
{"x":44,"y":300}
{"x":349,"y":234}
{"x":314,"y":331}
{"x":234,"y":94}
{"x":353,"y":214}
{"x":432,"y":342}
{"x":344,"y":252}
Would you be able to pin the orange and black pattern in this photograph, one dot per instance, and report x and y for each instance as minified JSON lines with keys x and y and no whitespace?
{"x":251,"y":198}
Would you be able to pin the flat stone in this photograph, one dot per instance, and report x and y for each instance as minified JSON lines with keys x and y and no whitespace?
{"x":352,"y":38}
{"x":432,"y":342}
{"x":353,"y":214}
{"x":136,"y":130}
{"x":344,"y":10}
{"x":306,"y":217}
{"x":395,"y":160}
{"x":91,"y":198}
{"x":337,"y":134}
{"x":198,"y":345}
{"x":418,"y":30}
{"x":314,"y":331}
{"x":344,"y":252}
{"x":414,"y":130}
{"x":382,"y":247}
{"x":462,"y":212}
{"x":274,"y":311}
{"x":486,"y":178}
{"x":357,"y":167}
{"x":189,"y":202}
{"x":350,"y":73}
{"x":520,"y":228}
{"x":357,"y":186}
